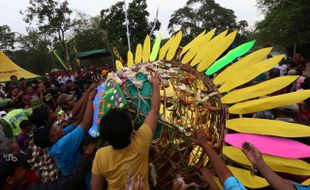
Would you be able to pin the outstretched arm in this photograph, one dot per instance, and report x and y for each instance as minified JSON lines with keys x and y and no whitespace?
{"x":256,"y":158}
{"x":89,"y":112}
{"x":82,"y":101}
{"x":151,"y":118}
{"x":218,"y":164}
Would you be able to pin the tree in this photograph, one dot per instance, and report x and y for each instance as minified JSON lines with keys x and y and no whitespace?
{"x":285,"y":23}
{"x":139,"y":26}
{"x":32,"y":53}
{"x":113,"y":21}
{"x":7,"y":38}
{"x":52,"y":18}
{"x":198,"y":15}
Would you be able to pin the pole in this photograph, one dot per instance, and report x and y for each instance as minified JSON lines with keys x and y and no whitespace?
{"x":127,"y":27}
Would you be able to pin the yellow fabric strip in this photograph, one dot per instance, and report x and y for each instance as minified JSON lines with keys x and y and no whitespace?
{"x":129,"y":59}
{"x":146,"y":49}
{"x":268,"y":127}
{"x":269,"y":103}
{"x":206,"y":44}
{"x":192,"y":43}
{"x":138,"y":55}
{"x":216,"y":51}
{"x":197,"y":47}
{"x":286,"y":165}
{"x":258,"y":90}
{"x":244,"y":75}
{"x":118,"y":65}
{"x":247,"y":61}
{"x":173,"y":47}
{"x":163,"y":50}
{"x":247,"y":179}
{"x":307,"y":182}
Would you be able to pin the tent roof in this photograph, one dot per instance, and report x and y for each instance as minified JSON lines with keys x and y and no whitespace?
{"x":93,"y":53}
{"x":9,"y":68}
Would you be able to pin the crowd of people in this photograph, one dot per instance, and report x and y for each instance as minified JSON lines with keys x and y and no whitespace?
{"x":44,"y":142}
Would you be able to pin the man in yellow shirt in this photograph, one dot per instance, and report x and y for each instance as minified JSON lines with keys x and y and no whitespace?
{"x":127,"y":154}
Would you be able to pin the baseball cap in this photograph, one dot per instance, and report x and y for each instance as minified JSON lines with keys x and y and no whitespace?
{"x":8,"y":164}
{"x":63,"y":98}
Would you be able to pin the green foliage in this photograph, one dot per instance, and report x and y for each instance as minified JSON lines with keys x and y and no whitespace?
{"x":285,"y":23}
{"x":113,"y":21}
{"x":33,"y":53}
{"x":198,"y":15}
{"x":52,"y":18}
{"x":7,"y":38}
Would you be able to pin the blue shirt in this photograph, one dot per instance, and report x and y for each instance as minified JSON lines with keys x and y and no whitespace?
{"x":232,"y":183}
{"x":66,"y":151}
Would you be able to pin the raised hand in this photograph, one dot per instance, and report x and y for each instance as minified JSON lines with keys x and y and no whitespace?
{"x":201,"y":138}
{"x":252,"y":153}
{"x":155,"y":80}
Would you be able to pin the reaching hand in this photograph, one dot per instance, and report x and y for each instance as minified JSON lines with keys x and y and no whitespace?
{"x":201,"y":138}
{"x":155,"y":80}
{"x":252,"y":153}
{"x":136,"y":184}
{"x":92,"y":86}
{"x":205,"y":174}
{"x":92,"y":94}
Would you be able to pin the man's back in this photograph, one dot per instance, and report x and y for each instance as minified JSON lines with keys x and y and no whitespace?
{"x":117,"y":166}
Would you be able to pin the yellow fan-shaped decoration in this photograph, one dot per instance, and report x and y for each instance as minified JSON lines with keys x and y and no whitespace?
{"x":247,"y":179}
{"x":247,"y":74}
{"x":217,"y":47}
{"x":247,"y":61}
{"x":268,"y":127}
{"x":199,"y":44}
{"x":192,"y":43}
{"x":174,"y":46}
{"x":118,"y":65}
{"x":129,"y":59}
{"x":258,"y":90}
{"x":291,"y":166}
{"x":269,"y":103}
{"x":138,"y":55}
{"x":146,"y":49}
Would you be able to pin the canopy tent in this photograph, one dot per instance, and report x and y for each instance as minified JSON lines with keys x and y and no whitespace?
{"x":93,"y":54}
{"x":9,"y":68}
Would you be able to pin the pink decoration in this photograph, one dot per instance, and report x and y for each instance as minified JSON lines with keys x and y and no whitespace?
{"x":275,"y":146}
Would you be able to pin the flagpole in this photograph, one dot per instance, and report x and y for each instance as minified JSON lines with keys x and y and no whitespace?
{"x":127,"y":26}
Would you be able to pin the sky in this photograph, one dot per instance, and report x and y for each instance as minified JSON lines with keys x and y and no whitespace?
{"x":244,"y":10}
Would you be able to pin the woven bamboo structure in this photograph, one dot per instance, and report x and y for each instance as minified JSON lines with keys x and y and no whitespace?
{"x":189,"y":101}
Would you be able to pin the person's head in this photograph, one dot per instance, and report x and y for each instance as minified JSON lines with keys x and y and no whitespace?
{"x":25,"y":126}
{"x":116,"y":128}
{"x":29,"y":90}
{"x":41,"y":86}
{"x":62,"y":88}
{"x":306,"y":84}
{"x":66,"y":102}
{"x":46,"y":135}
{"x":70,"y":84}
{"x":12,"y":175}
{"x":42,"y":115}
{"x":9,"y":146}
{"x":274,"y":72}
{"x":13,"y":78}
{"x":14,"y":91}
